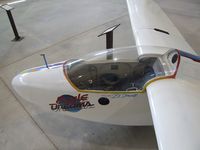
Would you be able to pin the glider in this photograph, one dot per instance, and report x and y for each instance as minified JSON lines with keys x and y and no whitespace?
{"x":155,"y":82}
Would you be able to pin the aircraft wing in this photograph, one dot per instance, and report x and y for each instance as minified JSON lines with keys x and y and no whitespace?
{"x":151,"y":26}
{"x":174,"y":103}
{"x":175,"y":111}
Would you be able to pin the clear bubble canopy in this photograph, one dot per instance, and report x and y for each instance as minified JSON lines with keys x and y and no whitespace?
{"x":119,"y":69}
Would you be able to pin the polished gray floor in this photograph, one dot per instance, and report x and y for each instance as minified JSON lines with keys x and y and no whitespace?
{"x":185,"y":14}
{"x":62,"y":30}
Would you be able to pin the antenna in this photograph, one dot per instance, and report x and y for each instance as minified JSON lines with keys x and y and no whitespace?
{"x":45,"y":61}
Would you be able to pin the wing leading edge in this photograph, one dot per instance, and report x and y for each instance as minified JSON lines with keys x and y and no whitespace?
{"x":175,"y":111}
{"x":174,"y":103}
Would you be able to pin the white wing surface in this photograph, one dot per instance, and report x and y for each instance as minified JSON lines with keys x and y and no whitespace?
{"x":151,"y":26}
{"x":174,"y":103}
{"x":175,"y":110}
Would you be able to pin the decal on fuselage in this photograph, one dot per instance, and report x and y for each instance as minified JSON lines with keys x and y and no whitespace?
{"x":71,"y":103}
{"x":121,"y":95}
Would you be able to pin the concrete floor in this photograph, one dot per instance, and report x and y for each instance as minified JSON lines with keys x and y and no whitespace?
{"x":185,"y":14}
{"x":62,"y":30}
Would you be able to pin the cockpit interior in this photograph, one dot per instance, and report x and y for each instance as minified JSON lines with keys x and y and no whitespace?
{"x":114,"y":75}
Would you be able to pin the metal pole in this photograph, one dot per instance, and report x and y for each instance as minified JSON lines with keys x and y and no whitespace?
{"x":12,"y":23}
{"x":109,"y":44}
{"x":109,"y":40}
{"x":8,"y":9}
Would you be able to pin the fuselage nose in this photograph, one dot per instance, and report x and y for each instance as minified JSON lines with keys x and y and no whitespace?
{"x":41,"y":84}
{"x":19,"y":84}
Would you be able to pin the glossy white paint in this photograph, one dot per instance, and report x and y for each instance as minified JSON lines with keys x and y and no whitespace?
{"x":43,"y":87}
{"x":175,"y":108}
{"x":174,"y":103}
{"x":145,"y":15}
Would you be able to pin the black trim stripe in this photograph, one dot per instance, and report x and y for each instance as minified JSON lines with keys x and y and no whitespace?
{"x":163,"y":31}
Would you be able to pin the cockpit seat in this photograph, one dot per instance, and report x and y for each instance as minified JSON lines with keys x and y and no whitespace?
{"x":148,"y":74}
